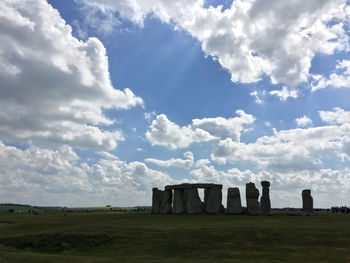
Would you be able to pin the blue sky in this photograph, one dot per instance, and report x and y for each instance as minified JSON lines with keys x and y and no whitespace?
{"x":250,"y":91}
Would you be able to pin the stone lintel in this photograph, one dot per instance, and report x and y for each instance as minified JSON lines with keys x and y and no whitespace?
{"x":186,"y":186}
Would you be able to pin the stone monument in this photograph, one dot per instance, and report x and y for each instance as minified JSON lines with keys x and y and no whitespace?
{"x":179,"y":201}
{"x":212,"y":200}
{"x":186,"y":199}
{"x":165,"y":206}
{"x":194,"y":204}
{"x":265,"y":197}
{"x":234,"y":205}
{"x":252,"y":196}
{"x":156,"y":200}
{"x":308,"y":203}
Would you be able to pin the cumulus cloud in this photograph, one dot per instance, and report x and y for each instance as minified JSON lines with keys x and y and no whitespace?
{"x":57,"y":177}
{"x":329,"y":187}
{"x":337,"y":116}
{"x":54,"y":87}
{"x":186,"y":163}
{"x":225,"y":128}
{"x":107,"y":155}
{"x":251,"y":38}
{"x":292,"y":159}
{"x":163,"y":132}
{"x":335,"y":80}
{"x":303,"y":121}
{"x":166,"y":133}
{"x":285,"y":93}
{"x":291,"y":150}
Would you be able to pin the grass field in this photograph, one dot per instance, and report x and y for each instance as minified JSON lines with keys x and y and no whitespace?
{"x":143,"y":237}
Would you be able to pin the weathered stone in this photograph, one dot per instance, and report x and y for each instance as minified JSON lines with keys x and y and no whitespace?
{"x":308,"y":203}
{"x":179,"y":202}
{"x":156,"y":200}
{"x":212,"y":200}
{"x":234,"y":205}
{"x":194,"y":204}
{"x":265,"y":197}
{"x":252,"y":196}
{"x":165,"y":207}
{"x":222,"y":209}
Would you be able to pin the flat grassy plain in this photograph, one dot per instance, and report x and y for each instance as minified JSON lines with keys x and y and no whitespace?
{"x":144,"y":237}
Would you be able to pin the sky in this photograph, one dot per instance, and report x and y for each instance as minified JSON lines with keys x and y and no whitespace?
{"x":102,"y":100}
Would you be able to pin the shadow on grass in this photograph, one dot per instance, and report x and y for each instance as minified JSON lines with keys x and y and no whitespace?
{"x":57,"y":243}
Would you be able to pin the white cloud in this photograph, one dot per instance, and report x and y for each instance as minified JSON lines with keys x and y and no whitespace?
{"x":224,"y":128}
{"x":335,"y":80}
{"x":163,"y":132}
{"x":303,"y":121}
{"x":258,"y":96}
{"x":337,"y":116}
{"x":329,"y":187}
{"x":149,"y":116}
{"x":107,"y":155}
{"x":291,"y":150}
{"x":100,"y":19}
{"x":54,"y":87}
{"x":251,"y":38}
{"x":55,"y":177}
{"x":285,"y":93}
{"x":229,"y":178}
{"x":166,"y":133}
{"x":186,"y":163}
{"x":82,"y":34}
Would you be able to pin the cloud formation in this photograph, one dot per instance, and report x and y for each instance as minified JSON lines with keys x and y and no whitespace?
{"x":294,"y":149}
{"x":163,"y":132}
{"x":303,"y":121}
{"x":251,"y":38}
{"x":329,"y":187}
{"x":54,"y":87}
{"x":340,"y":79}
{"x":57,"y":177}
{"x":337,"y":116}
{"x":186,"y":163}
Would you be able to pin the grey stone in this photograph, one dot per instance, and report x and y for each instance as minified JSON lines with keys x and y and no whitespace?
{"x":234,"y":205}
{"x":156,"y":200}
{"x":252,"y":196}
{"x":194,"y":204}
{"x":222,"y":209}
{"x":308,"y":203}
{"x":165,"y":207}
{"x":212,"y":200}
{"x":179,"y":202}
{"x":265,"y":197}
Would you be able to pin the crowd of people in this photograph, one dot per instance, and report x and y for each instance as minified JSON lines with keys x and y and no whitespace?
{"x":340,"y":210}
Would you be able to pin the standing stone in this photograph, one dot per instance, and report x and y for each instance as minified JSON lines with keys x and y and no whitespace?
{"x":265,"y":197}
{"x":252,"y":196}
{"x":308,"y":203}
{"x":165,"y":207}
{"x":156,"y":200}
{"x":234,"y":205}
{"x":179,"y":201}
{"x":194,"y":204}
{"x":212,"y":200}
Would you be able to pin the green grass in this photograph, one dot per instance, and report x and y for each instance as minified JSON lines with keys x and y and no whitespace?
{"x":143,"y":237}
